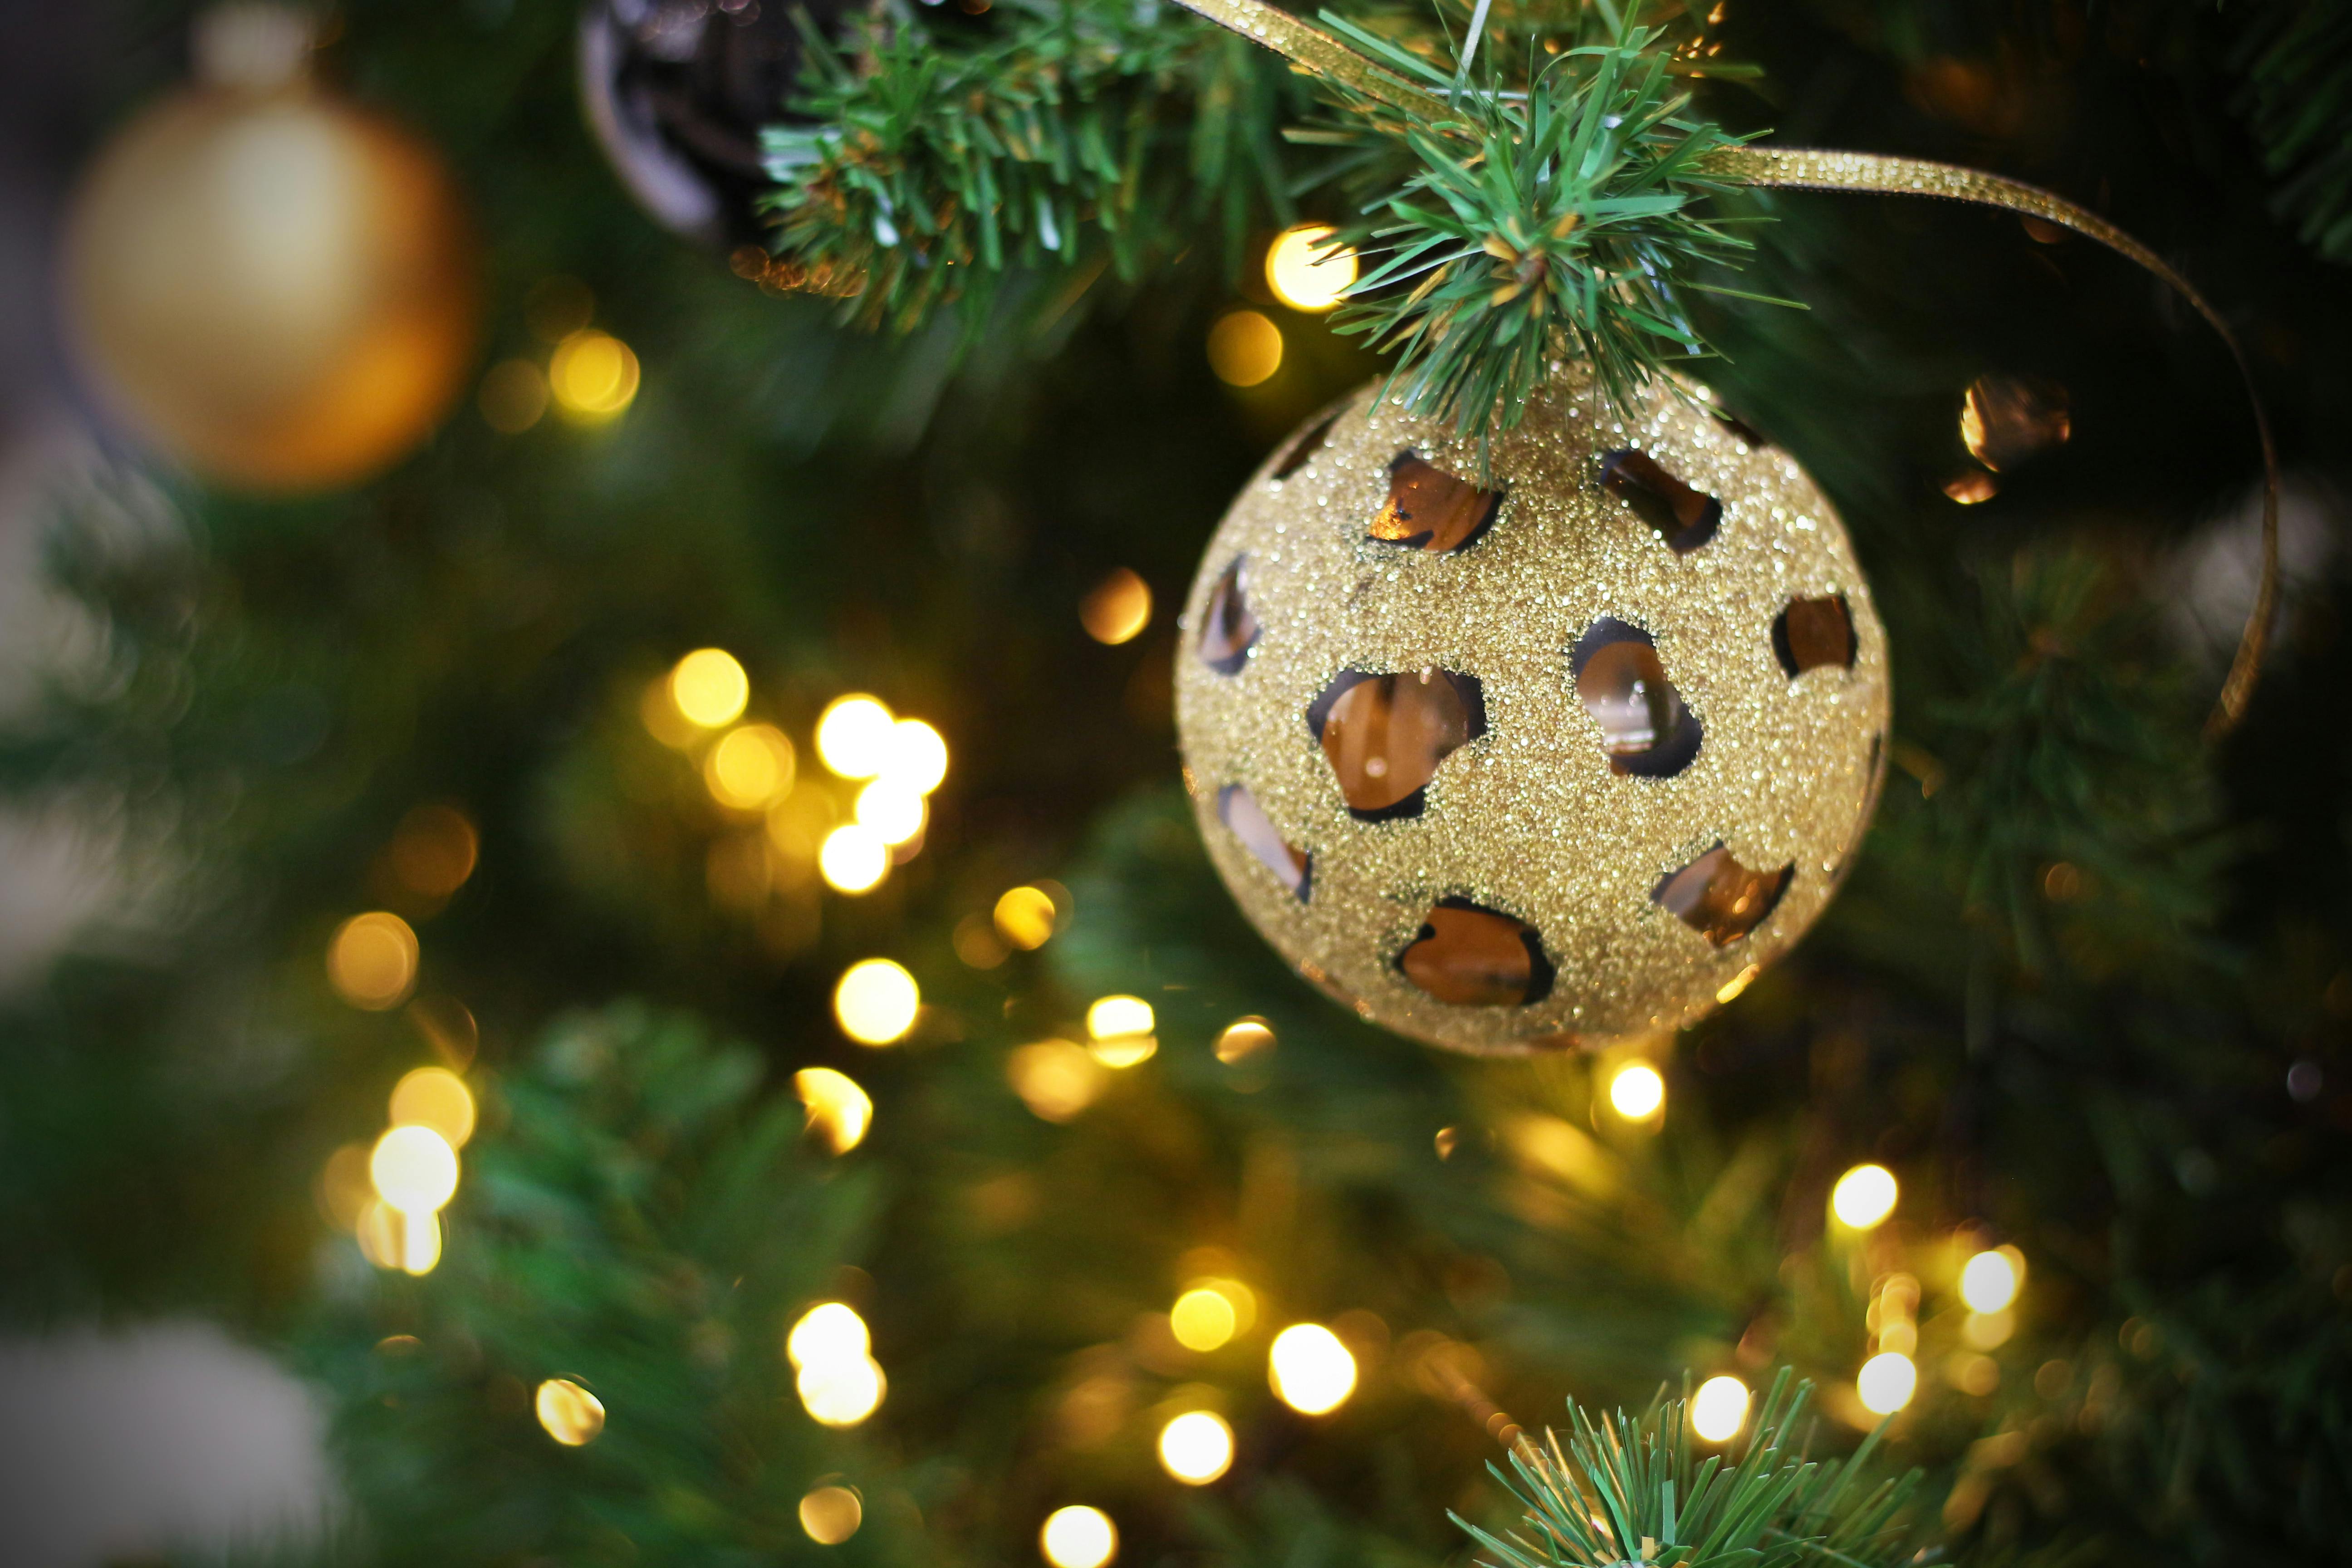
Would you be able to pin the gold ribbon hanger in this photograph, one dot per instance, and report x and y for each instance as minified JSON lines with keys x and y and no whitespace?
{"x":1318,"y":53}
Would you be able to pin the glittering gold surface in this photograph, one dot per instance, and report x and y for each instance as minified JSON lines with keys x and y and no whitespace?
{"x":1529,"y":819}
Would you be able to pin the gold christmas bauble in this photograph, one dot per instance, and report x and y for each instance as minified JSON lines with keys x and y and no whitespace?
{"x":1562,"y":749}
{"x":271,"y":286}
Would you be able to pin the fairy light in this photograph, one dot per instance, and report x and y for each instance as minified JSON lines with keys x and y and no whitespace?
{"x":1989,"y":1281}
{"x":709,"y":688}
{"x":392,"y":1239}
{"x":1988,"y":1331}
{"x":569,"y":1413}
{"x":891,"y":813}
{"x":1244,"y":1038}
{"x":853,"y":859}
{"x":1025,"y":917}
{"x":1196,"y":1448}
{"x":371,"y":960}
{"x":828,"y":1333}
{"x":916,"y":758}
{"x":1887,"y":1382}
{"x":1720,"y":1409}
{"x":1055,"y":1078}
{"x":1310,"y":1370}
{"x":1637,"y":1093}
{"x":1210,"y":1313}
{"x":830,"y":1515}
{"x":1863,"y":1196}
{"x":434,"y":851}
{"x":840,"y":1393}
{"x":1078,"y":1537}
{"x":434,"y":1097}
{"x":344,"y":1190}
{"x":854,"y":736}
{"x":1244,"y":348}
{"x":751,"y":768}
{"x":414,"y":1170}
{"x":593,"y":376}
{"x":838,"y":1110}
{"x":1304,"y":271}
{"x":1119,"y":1031}
{"x":876,"y":1002}
{"x":839,"y":1382}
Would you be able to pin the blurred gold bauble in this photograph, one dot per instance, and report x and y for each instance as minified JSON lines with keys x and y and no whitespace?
{"x":1563,"y":749}
{"x":271,"y":286}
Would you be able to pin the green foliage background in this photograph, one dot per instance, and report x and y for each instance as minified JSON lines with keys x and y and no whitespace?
{"x":2101,"y":1078}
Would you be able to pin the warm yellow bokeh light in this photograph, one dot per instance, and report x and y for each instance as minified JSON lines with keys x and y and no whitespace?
{"x":571,"y":1415}
{"x":1025,"y":917}
{"x":1119,"y":1031}
{"x":434,"y":1097}
{"x":1111,"y":1016}
{"x":1055,"y":1078}
{"x":1303,"y":273}
{"x":1311,"y":1370}
{"x":1078,"y":1537}
{"x":830,"y":1333}
{"x":1244,"y":1038}
{"x":1117,"y":609}
{"x":1211,"y":1313}
{"x":853,"y":859}
{"x":434,"y":850}
{"x":1202,"y":1319}
{"x":592,"y":374}
{"x":344,"y":1191}
{"x":390,"y":1239}
{"x":372,"y":962}
{"x":709,"y":688}
{"x":1196,"y":1448}
{"x":415,"y":1169}
{"x":1720,"y":1409}
{"x":1887,"y":1382}
{"x":1637,"y":1092}
{"x":876,"y":1001}
{"x":1863,"y":1196}
{"x":1988,"y":1331}
{"x":891,"y":814}
{"x":1244,"y":348}
{"x":1989,"y":1280}
{"x":918,"y":757}
{"x":830,"y":1515}
{"x":854,"y":736}
{"x":751,"y":768}
{"x":837,"y":1109}
{"x":840,"y":1393}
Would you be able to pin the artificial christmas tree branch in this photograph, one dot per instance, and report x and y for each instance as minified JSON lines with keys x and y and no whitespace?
{"x":1506,"y":225}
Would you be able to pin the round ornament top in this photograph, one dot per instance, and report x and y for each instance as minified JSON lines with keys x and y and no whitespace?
{"x":1564,"y":747}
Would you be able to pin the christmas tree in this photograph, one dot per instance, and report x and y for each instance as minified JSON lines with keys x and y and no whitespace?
{"x":664,"y":964}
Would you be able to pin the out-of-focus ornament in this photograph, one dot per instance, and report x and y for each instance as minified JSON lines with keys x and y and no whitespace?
{"x":1511,"y":758}
{"x":268,"y":284}
{"x":2005,"y":419}
{"x":676,"y":92}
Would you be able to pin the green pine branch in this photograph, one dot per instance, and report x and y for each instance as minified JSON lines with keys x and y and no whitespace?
{"x":1629,"y":1490}
{"x":1563,"y":218}
{"x":1554,"y":209}
{"x":1088,"y":137}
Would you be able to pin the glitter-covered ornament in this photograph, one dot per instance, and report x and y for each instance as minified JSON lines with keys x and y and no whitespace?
{"x":1565,"y":749}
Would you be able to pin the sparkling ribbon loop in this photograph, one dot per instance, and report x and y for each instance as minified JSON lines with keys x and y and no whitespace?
{"x":1319,"y":54}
